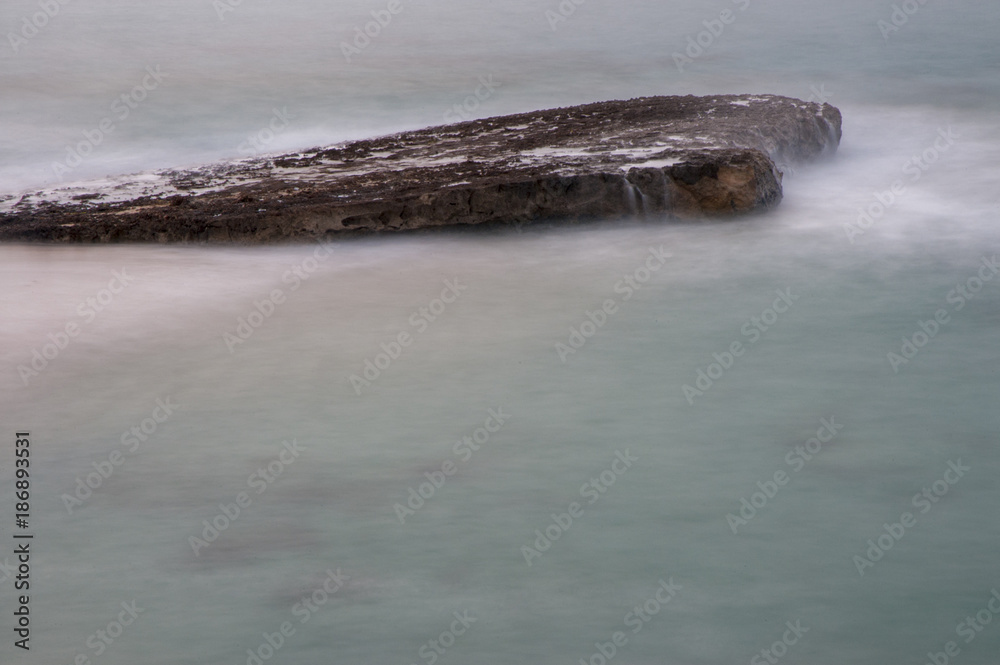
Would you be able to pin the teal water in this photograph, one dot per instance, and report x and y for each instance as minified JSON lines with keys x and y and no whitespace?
{"x":337,"y":505}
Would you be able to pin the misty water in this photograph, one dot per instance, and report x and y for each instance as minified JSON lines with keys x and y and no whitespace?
{"x":834,"y":374}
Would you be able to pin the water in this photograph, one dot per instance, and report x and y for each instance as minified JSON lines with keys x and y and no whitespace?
{"x":170,"y":335}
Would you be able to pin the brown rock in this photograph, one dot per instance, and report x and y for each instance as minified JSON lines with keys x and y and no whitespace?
{"x":686,"y":157}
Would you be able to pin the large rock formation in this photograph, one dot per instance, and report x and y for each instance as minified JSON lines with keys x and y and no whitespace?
{"x":686,"y":157}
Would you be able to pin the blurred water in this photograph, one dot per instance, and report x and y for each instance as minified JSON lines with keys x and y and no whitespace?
{"x":223,"y":78}
{"x":164,"y":336}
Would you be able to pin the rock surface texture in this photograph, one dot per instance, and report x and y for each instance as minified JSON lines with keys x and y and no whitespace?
{"x":686,"y":157}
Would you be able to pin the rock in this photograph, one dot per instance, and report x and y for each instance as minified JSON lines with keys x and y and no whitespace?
{"x":686,"y":157}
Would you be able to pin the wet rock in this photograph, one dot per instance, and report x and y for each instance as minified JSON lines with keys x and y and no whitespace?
{"x":683,"y":157}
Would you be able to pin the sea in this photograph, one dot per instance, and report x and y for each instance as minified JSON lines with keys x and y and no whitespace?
{"x":771,"y":439}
